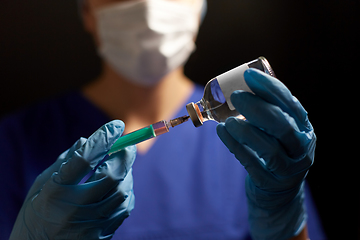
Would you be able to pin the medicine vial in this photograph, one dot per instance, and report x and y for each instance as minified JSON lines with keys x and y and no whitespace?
{"x":216,"y":104}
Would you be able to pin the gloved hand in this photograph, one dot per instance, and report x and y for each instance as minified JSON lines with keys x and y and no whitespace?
{"x":57,"y":207}
{"x":276,"y":146}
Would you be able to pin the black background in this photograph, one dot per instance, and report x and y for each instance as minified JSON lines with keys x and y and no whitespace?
{"x":312,"y":46}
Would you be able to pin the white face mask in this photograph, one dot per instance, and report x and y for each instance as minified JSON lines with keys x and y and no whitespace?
{"x":144,"y":40}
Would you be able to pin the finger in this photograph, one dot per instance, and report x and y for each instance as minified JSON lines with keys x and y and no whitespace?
{"x":120,"y":214}
{"x":80,"y":194}
{"x":247,"y":157}
{"x":266,"y":147}
{"x":272,"y":120}
{"x":100,"y":142}
{"x":119,"y":164}
{"x":60,"y":196}
{"x":275,"y":92}
{"x":85,"y":158}
{"x":70,"y":152}
{"x":125,"y":188}
{"x":47,"y":173}
{"x":72,"y":171}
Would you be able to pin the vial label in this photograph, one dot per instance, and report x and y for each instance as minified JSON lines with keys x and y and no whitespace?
{"x":231,"y":81}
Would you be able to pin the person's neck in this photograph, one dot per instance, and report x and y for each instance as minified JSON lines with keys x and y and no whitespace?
{"x":136,"y":105}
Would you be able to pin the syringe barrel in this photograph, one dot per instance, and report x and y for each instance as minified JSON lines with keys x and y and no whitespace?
{"x":139,"y":136}
{"x":132,"y":139}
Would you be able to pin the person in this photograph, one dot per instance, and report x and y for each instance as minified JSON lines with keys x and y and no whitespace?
{"x":235,"y":180}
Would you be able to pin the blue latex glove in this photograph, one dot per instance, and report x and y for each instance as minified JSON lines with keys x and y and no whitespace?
{"x":276,"y":145}
{"x":57,"y":207}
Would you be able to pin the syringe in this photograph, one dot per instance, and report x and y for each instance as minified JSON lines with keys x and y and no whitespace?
{"x":146,"y":133}
{"x":138,"y":136}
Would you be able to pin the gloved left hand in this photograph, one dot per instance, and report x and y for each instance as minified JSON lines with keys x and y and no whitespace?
{"x":276,"y":145}
{"x":58,"y":207}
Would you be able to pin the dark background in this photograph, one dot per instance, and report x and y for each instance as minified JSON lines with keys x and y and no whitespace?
{"x":312,"y":46}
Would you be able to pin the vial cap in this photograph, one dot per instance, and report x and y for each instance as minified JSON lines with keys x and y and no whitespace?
{"x":195,"y":114}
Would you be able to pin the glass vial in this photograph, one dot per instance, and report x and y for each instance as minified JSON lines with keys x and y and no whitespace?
{"x":216,"y":104}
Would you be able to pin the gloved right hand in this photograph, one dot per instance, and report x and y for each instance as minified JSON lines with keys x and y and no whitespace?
{"x":276,"y":145}
{"x":58,"y":207}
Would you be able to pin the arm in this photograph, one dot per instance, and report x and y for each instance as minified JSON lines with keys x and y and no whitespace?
{"x":276,"y":146}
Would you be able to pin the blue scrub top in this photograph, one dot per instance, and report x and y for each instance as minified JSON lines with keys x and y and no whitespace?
{"x":187,"y":186}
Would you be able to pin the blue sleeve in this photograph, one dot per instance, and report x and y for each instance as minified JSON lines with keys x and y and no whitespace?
{"x":314,"y":226}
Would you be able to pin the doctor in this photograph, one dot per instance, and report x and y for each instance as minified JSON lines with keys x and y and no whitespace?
{"x":188,"y":184}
